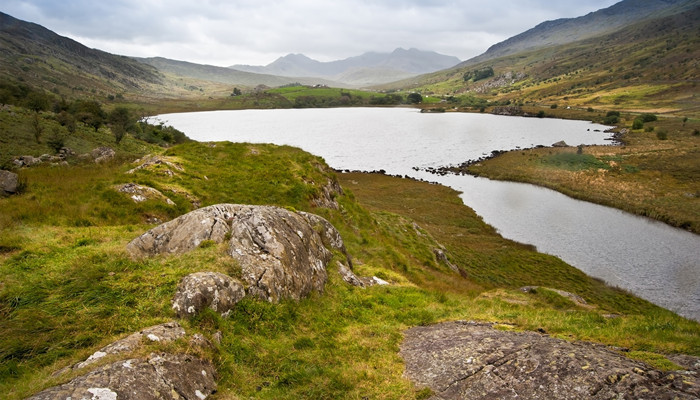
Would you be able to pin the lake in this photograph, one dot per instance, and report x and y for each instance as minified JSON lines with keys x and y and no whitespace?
{"x":650,"y":259}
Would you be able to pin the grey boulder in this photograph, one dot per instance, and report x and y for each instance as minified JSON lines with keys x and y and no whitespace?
{"x":282,"y":254}
{"x":207,"y":289}
{"x":157,"y":377}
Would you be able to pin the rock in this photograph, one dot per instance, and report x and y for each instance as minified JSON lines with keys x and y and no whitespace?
{"x":560,"y":143}
{"x":26,"y":161}
{"x":102,"y":154}
{"x":469,"y":360}
{"x":207,"y":289}
{"x":8,"y":182}
{"x":162,"y":164}
{"x":158,"y":377}
{"x":576,"y":299}
{"x":352,"y":279}
{"x":281,"y":253}
{"x":442,"y":257}
{"x":164,"y":333}
{"x":140,"y":193}
{"x":328,"y":194}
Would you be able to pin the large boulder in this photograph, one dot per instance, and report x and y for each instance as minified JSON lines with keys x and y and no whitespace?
{"x":207,"y":289}
{"x":8,"y":182}
{"x":282,"y":254}
{"x":157,"y":377}
{"x":469,"y":360}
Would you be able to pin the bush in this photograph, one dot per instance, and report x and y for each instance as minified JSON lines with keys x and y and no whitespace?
{"x":648,"y":117}
{"x":637,"y":124}
{"x":611,"y":120}
{"x":661,"y":135}
{"x":414,"y":98}
{"x":613,"y":114}
{"x":553,"y":106}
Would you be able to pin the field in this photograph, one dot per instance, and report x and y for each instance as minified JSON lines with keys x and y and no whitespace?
{"x":69,"y":287}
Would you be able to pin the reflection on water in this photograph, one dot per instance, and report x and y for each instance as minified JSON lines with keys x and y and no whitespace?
{"x":650,"y":259}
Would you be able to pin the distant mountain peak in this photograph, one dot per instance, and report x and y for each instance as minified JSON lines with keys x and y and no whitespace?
{"x":369,"y":67}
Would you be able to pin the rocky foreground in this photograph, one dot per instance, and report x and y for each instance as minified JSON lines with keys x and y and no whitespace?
{"x":471,"y":360}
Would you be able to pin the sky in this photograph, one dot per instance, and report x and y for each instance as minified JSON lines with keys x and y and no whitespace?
{"x":257,"y":32}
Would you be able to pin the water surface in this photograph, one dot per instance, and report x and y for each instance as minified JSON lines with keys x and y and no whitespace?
{"x":652,"y":260}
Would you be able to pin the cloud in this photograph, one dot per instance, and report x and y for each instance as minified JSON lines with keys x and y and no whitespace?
{"x":223,"y":33}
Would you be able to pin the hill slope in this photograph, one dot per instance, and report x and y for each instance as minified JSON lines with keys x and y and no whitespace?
{"x":44,"y":58}
{"x":569,"y":30}
{"x":647,"y":66}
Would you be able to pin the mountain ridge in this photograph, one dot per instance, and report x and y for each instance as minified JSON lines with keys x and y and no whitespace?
{"x":569,"y":30}
{"x":369,"y":67}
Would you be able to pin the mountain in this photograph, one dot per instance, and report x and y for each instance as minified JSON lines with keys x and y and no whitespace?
{"x":650,"y":65}
{"x":569,"y":30}
{"x":368,"y":68}
{"x":225,"y":75}
{"x":42,"y":57}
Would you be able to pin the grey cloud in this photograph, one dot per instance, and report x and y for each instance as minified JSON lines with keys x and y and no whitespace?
{"x":224,"y":32}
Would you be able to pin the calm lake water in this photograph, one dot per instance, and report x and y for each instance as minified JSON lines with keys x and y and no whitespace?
{"x":650,"y":259}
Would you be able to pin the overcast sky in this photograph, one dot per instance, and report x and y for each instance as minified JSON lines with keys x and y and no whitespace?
{"x":256,"y":32}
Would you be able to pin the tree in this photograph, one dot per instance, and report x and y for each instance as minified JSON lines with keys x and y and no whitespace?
{"x":414,"y":98}
{"x":120,"y":121}
{"x":37,"y":128}
{"x":236,"y":92}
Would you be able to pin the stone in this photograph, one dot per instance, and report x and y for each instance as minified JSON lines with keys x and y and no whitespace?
{"x":102,"y":154}
{"x":140,"y":193}
{"x":576,"y":299}
{"x":560,"y":143}
{"x":442,"y":257}
{"x":157,"y":377}
{"x":164,"y":333}
{"x":161,"y":164}
{"x":282,"y":254}
{"x":200,"y":290}
{"x":471,"y":360}
{"x":8,"y":182}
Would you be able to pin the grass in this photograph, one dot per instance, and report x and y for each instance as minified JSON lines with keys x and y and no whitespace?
{"x":646,"y":176}
{"x":69,"y":288}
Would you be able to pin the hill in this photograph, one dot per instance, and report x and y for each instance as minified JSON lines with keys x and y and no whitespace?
{"x":42,"y":58}
{"x":569,"y":30}
{"x":646,"y":66}
{"x":366,"y":69}
{"x":228,"y":76}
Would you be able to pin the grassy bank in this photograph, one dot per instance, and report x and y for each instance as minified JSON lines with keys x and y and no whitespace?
{"x":67,"y":286}
{"x":654,"y":174}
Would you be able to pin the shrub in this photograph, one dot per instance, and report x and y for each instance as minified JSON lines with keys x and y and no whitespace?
{"x":637,"y":124}
{"x":611,"y":120}
{"x":613,"y":114}
{"x":553,"y":106}
{"x":661,"y":135}
{"x":648,"y":117}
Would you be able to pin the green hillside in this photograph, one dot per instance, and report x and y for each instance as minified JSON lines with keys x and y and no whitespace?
{"x":649,"y":66}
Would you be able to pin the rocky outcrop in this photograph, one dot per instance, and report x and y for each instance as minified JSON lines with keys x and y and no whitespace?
{"x":140,"y":193}
{"x":282,"y":254}
{"x":157,"y":377}
{"x":560,"y":143}
{"x":8,"y":182}
{"x":207,"y":289}
{"x":102,"y":154}
{"x":327,"y":196}
{"x":163,"y":333}
{"x":162,"y":164}
{"x":360,"y":281}
{"x":469,"y":360}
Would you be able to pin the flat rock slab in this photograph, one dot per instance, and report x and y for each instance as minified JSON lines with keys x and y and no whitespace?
{"x":469,"y":360}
